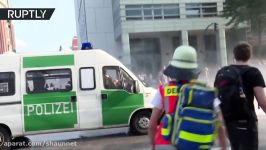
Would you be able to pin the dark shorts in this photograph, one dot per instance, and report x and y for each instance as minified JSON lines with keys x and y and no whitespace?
{"x":243,"y":135}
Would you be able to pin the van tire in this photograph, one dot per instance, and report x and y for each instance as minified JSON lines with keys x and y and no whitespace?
{"x":139,"y":124}
{"x":22,"y":139}
{"x":5,"y":137}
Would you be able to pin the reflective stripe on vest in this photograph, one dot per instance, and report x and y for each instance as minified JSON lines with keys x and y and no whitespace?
{"x":166,"y":131}
{"x":196,"y":137}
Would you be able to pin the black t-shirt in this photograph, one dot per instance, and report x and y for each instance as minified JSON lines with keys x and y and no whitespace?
{"x":251,"y":78}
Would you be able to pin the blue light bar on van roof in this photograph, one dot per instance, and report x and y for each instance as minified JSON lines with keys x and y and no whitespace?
{"x":86,"y":45}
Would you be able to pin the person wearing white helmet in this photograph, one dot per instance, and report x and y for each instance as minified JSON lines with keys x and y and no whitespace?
{"x":182,"y":68}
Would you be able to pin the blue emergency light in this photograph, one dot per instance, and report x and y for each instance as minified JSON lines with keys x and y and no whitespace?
{"x":86,"y":45}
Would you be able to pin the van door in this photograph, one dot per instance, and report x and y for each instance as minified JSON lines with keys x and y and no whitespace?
{"x":118,"y":98}
{"x":49,"y":100}
{"x":88,"y":99}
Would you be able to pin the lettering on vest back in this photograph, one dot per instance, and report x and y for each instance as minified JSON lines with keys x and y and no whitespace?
{"x":170,"y":91}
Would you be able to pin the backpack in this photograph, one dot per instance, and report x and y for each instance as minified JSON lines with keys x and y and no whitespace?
{"x":234,"y":104}
{"x":195,"y":122}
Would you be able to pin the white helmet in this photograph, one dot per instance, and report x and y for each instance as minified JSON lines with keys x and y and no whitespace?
{"x":183,"y":65}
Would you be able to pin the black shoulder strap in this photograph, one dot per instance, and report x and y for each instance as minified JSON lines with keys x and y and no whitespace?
{"x":240,"y":73}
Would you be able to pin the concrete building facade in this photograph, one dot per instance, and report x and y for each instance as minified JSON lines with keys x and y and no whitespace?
{"x":144,"y":34}
{"x":7,"y":39}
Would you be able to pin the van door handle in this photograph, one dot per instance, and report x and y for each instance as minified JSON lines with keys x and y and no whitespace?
{"x":104,"y":96}
{"x":73,"y":98}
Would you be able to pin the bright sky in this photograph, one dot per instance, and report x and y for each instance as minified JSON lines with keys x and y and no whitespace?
{"x":45,"y":35}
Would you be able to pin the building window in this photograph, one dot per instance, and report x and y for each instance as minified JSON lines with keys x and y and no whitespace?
{"x":192,"y":10}
{"x":224,"y":6}
{"x":157,"y":12}
{"x":147,"y":12}
{"x":209,"y":9}
{"x":56,"y":80}
{"x":152,"y":12}
{"x":134,"y":12}
{"x":170,"y":11}
{"x":7,"y":83}
{"x":87,"y":78}
{"x":196,"y":10}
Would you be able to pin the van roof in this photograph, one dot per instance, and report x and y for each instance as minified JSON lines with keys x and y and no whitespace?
{"x":97,"y":56}
{"x":92,"y":51}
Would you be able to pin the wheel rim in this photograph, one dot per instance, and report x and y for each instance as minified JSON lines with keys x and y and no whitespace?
{"x":2,"y":139}
{"x":144,"y":122}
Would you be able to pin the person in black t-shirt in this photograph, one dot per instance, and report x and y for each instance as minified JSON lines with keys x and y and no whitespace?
{"x":243,"y":134}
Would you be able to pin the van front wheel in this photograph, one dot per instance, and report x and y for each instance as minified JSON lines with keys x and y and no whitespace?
{"x":25,"y":142}
{"x":5,"y":138}
{"x":140,"y":122}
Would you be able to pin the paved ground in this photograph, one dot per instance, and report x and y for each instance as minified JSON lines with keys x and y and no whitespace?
{"x":113,"y":139}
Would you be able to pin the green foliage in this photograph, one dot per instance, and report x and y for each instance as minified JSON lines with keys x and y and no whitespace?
{"x":252,"y":12}
{"x":239,"y":11}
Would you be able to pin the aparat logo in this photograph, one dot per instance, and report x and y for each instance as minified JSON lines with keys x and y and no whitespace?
{"x":26,"y":13}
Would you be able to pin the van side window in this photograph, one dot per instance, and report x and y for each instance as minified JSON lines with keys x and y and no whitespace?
{"x":111,"y":78}
{"x":7,"y":83}
{"x":128,"y":82}
{"x":87,"y":78}
{"x":55,"y":80}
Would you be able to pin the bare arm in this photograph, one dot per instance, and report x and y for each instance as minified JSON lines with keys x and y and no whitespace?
{"x":260,"y":96}
{"x":156,"y":113}
{"x":221,"y":130}
{"x":222,"y":133}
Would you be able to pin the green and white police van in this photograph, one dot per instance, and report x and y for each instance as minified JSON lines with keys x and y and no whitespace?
{"x":69,"y":91}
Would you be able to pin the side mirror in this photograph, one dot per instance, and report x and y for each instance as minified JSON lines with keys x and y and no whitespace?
{"x":136,"y":86}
